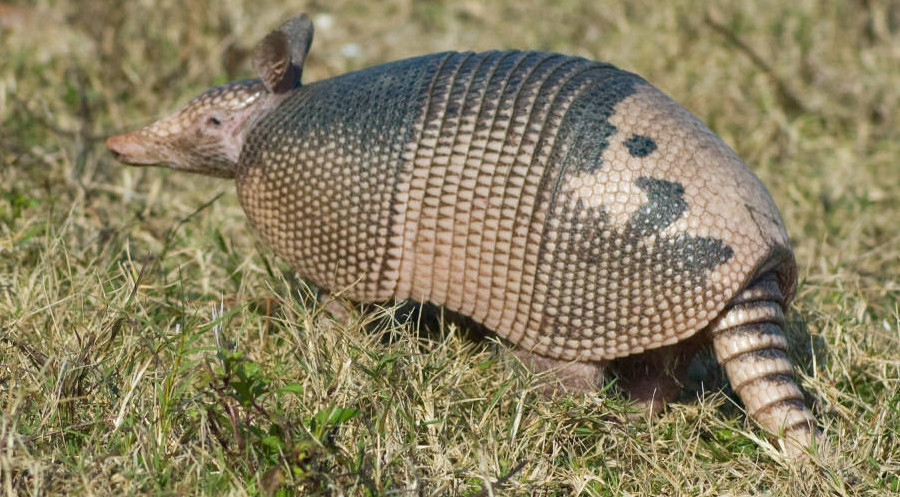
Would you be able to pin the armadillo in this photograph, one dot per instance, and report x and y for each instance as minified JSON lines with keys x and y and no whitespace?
{"x":565,"y":204}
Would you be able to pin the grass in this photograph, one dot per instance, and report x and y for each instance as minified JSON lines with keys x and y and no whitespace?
{"x":148,"y":345}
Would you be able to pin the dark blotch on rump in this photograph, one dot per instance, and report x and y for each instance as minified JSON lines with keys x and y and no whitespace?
{"x":640,"y":146}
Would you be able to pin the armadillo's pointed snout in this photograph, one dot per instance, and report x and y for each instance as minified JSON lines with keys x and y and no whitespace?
{"x":130,"y":148}
{"x":114,"y":144}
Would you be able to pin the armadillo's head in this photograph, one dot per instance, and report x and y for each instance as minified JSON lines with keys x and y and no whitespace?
{"x":205,"y":136}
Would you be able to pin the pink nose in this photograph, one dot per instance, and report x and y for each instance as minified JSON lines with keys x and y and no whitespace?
{"x":115,"y":145}
{"x":130,"y":148}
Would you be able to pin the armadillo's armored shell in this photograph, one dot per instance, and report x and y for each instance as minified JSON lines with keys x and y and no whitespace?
{"x":566,"y":204}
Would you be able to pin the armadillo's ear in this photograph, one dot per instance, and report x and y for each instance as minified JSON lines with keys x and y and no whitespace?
{"x":272,"y":61}
{"x":299,"y":31}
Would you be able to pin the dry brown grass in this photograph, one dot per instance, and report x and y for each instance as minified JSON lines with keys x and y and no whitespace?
{"x":111,"y":377}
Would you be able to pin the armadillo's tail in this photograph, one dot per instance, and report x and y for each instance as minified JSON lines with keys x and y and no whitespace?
{"x":750,"y":344}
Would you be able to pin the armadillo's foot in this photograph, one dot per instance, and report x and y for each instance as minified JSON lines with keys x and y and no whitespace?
{"x":650,"y":393}
{"x":563,"y":376}
{"x":655,"y":378}
{"x":340,"y":309}
{"x":750,"y":345}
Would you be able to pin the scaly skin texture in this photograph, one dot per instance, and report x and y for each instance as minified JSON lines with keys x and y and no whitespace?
{"x":531,"y":215}
{"x":569,"y":206}
{"x":205,"y":136}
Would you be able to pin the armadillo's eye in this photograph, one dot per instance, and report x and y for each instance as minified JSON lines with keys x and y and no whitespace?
{"x":213,"y":121}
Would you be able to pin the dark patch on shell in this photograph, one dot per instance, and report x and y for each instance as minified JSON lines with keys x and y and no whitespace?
{"x":640,"y":145}
{"x":599,"y":274}
{"x":665,"y":204}
{"x":591,"y":112}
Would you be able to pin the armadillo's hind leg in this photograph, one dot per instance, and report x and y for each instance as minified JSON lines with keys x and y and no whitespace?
{"x":750,"y":344}
{"x":563,"y":376}
{"x":656,"y":377}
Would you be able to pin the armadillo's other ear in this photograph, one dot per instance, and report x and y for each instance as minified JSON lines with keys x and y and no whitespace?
{"x":299,"y":31}
{"x":272,"y":61}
